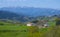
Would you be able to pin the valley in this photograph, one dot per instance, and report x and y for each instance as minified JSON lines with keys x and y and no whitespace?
{"x":20,"y":22}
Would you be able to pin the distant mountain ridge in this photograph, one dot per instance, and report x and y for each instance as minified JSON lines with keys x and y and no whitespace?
{"x":14,"y":16}
{"x":26,"y":14}
{"x":30,"y":11}
{"x":11,"y":16}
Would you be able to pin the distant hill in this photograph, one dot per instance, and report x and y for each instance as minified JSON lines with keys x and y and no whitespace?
{"x":11,"y":16}
{"x":33,"y":12}
{"x":26,"y":14}
{"x":14,"y":16}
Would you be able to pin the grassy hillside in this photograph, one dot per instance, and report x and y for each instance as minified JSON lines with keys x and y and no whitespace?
{"x":23,"y":31}
{"x":8,"y":29}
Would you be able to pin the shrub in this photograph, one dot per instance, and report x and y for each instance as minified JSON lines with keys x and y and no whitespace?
{"x":1,"y":23}
{"x":33,"y":29}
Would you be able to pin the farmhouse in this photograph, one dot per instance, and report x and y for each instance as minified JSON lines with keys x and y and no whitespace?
{"x":31,"y":24}
{"x":40,"y":24}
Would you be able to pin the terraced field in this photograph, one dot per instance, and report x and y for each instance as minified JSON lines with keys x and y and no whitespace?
{"x":15,"y":30}
{"x":23,"y":31}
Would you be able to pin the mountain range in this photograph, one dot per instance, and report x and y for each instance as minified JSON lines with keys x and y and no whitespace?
{"x":14,"y":16}
{"x":30,"y":11}
{"x":26,"y":13}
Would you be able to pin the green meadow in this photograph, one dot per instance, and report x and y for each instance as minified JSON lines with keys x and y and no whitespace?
{"x":17,"y":30}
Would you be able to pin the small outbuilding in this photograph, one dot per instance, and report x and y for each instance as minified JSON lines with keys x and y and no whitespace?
{"x":31,"y":24}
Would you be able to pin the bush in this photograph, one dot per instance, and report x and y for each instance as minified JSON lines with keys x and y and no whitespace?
{"x":1,"y":23}
{"x":33,"y":29}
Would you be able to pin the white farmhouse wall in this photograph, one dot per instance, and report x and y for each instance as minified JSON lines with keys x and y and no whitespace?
{"x":29,"y":24}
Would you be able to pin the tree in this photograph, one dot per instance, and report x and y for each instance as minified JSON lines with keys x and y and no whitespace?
{"x":35,"y":21}
{"x":33,"y":29}
{"x":1,"y":23}
{"x":57,"y":21}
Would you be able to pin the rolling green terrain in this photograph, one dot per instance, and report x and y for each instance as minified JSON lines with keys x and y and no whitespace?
{"x":24,"y":31}
{"x":20,"y":30}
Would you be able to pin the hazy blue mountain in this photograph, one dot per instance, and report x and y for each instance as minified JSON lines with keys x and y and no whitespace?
{"x":30,"y":11}
{"x":11,"y":16}
{"x":26,"y":13}
{"x":14,"y":16}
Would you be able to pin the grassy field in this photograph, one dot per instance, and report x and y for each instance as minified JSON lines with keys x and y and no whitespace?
{"x":23,"y":31}
{"x":14,"y":30}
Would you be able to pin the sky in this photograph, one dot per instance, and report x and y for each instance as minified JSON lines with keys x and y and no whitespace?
{"x":54,"y":4}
